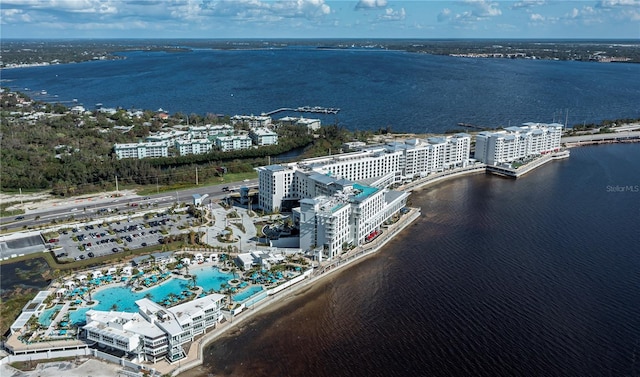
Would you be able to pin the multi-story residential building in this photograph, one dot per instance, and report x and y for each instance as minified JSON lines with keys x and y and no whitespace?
{"x":515,"y":143}
{"x":352,"y":215}
{"x":390,"y":163}
{"x":232,"y":143}
{"x":128,"y":332}
{"x":263,"y":136}
{"x":208,"y":130}
{"x":253,"y":121}
{"x":168,"y":137}
{"x":334,"y":210}
{"x":155,"y":331}
{"x":141,"y":150}
{"x":311,"y":124}
{"x":193,"y":146}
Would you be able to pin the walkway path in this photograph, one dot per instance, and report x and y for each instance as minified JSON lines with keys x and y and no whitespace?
{"x":218,"y":221}
{"x":587,"y":139}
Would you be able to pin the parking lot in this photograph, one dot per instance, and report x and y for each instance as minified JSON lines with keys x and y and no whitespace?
{"x":111,"y":236}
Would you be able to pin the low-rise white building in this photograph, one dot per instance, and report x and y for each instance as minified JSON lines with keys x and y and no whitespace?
{"x":263,"y":136}
{"x":208,"y":130}
{"x":169,"y":136}
{"x":155,"y":331}
{"x":141,"y":150}
{"x":233,"y":143}
{"x":311,"y":124}
{"x":193,"y":146}
{"x":253,"y":121}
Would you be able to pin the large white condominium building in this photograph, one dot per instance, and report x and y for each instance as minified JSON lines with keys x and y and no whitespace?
{"x":141,"y":150}
{"x":232,"y":143}
{"x":155,"y":331}
{"x":514,"y":143}
{"x":343,"y":198}
{"x":351,"y":216}
{"x":387,"y":164}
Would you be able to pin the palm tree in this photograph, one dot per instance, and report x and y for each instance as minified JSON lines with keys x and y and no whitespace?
{"x":192,"y":281}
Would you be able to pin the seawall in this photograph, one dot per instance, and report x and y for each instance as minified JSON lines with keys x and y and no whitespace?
{"x":196,"y":352}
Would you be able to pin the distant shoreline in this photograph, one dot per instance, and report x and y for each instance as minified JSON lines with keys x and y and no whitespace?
{"x":609,"y":50}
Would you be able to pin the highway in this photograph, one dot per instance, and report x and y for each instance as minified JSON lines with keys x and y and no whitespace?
{"x":85,"y":210}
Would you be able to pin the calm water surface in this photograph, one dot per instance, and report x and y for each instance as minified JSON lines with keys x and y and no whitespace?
{"x":407,"y":91}
{"x":530,"y":277}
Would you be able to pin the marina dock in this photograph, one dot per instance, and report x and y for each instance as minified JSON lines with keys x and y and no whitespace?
{"x":305,"y":109}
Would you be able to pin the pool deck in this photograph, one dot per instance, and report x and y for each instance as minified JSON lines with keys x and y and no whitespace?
{"x":194,"y":356}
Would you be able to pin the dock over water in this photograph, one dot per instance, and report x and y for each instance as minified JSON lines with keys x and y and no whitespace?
{"x":305,"y":109}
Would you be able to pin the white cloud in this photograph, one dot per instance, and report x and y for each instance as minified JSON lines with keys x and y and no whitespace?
{"x":9,"y":16}
{"x":480,"y":10}
{"x":444,"y":15}
{"x":371,"y":4}
{"x":267,"y":10}
{"x":535,"y":17}
{"x":73,"y":6}
{"x":575,"y":13}
{"x":527,"y":4}
{"x":159,"y":10}
{"x":483,"y":8}
{"x":393,"y":15}
{"x":618,"y":3}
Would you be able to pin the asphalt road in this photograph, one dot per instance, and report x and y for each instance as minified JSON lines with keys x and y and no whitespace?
{"x":102,"y":208}
{"x":84,"y":211}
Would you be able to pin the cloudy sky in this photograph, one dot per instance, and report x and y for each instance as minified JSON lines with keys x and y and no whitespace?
{"x":319,"y":19}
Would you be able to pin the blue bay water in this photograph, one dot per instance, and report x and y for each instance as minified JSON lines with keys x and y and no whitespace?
{"x":530,"y":277}
{"x":409,"y":92}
